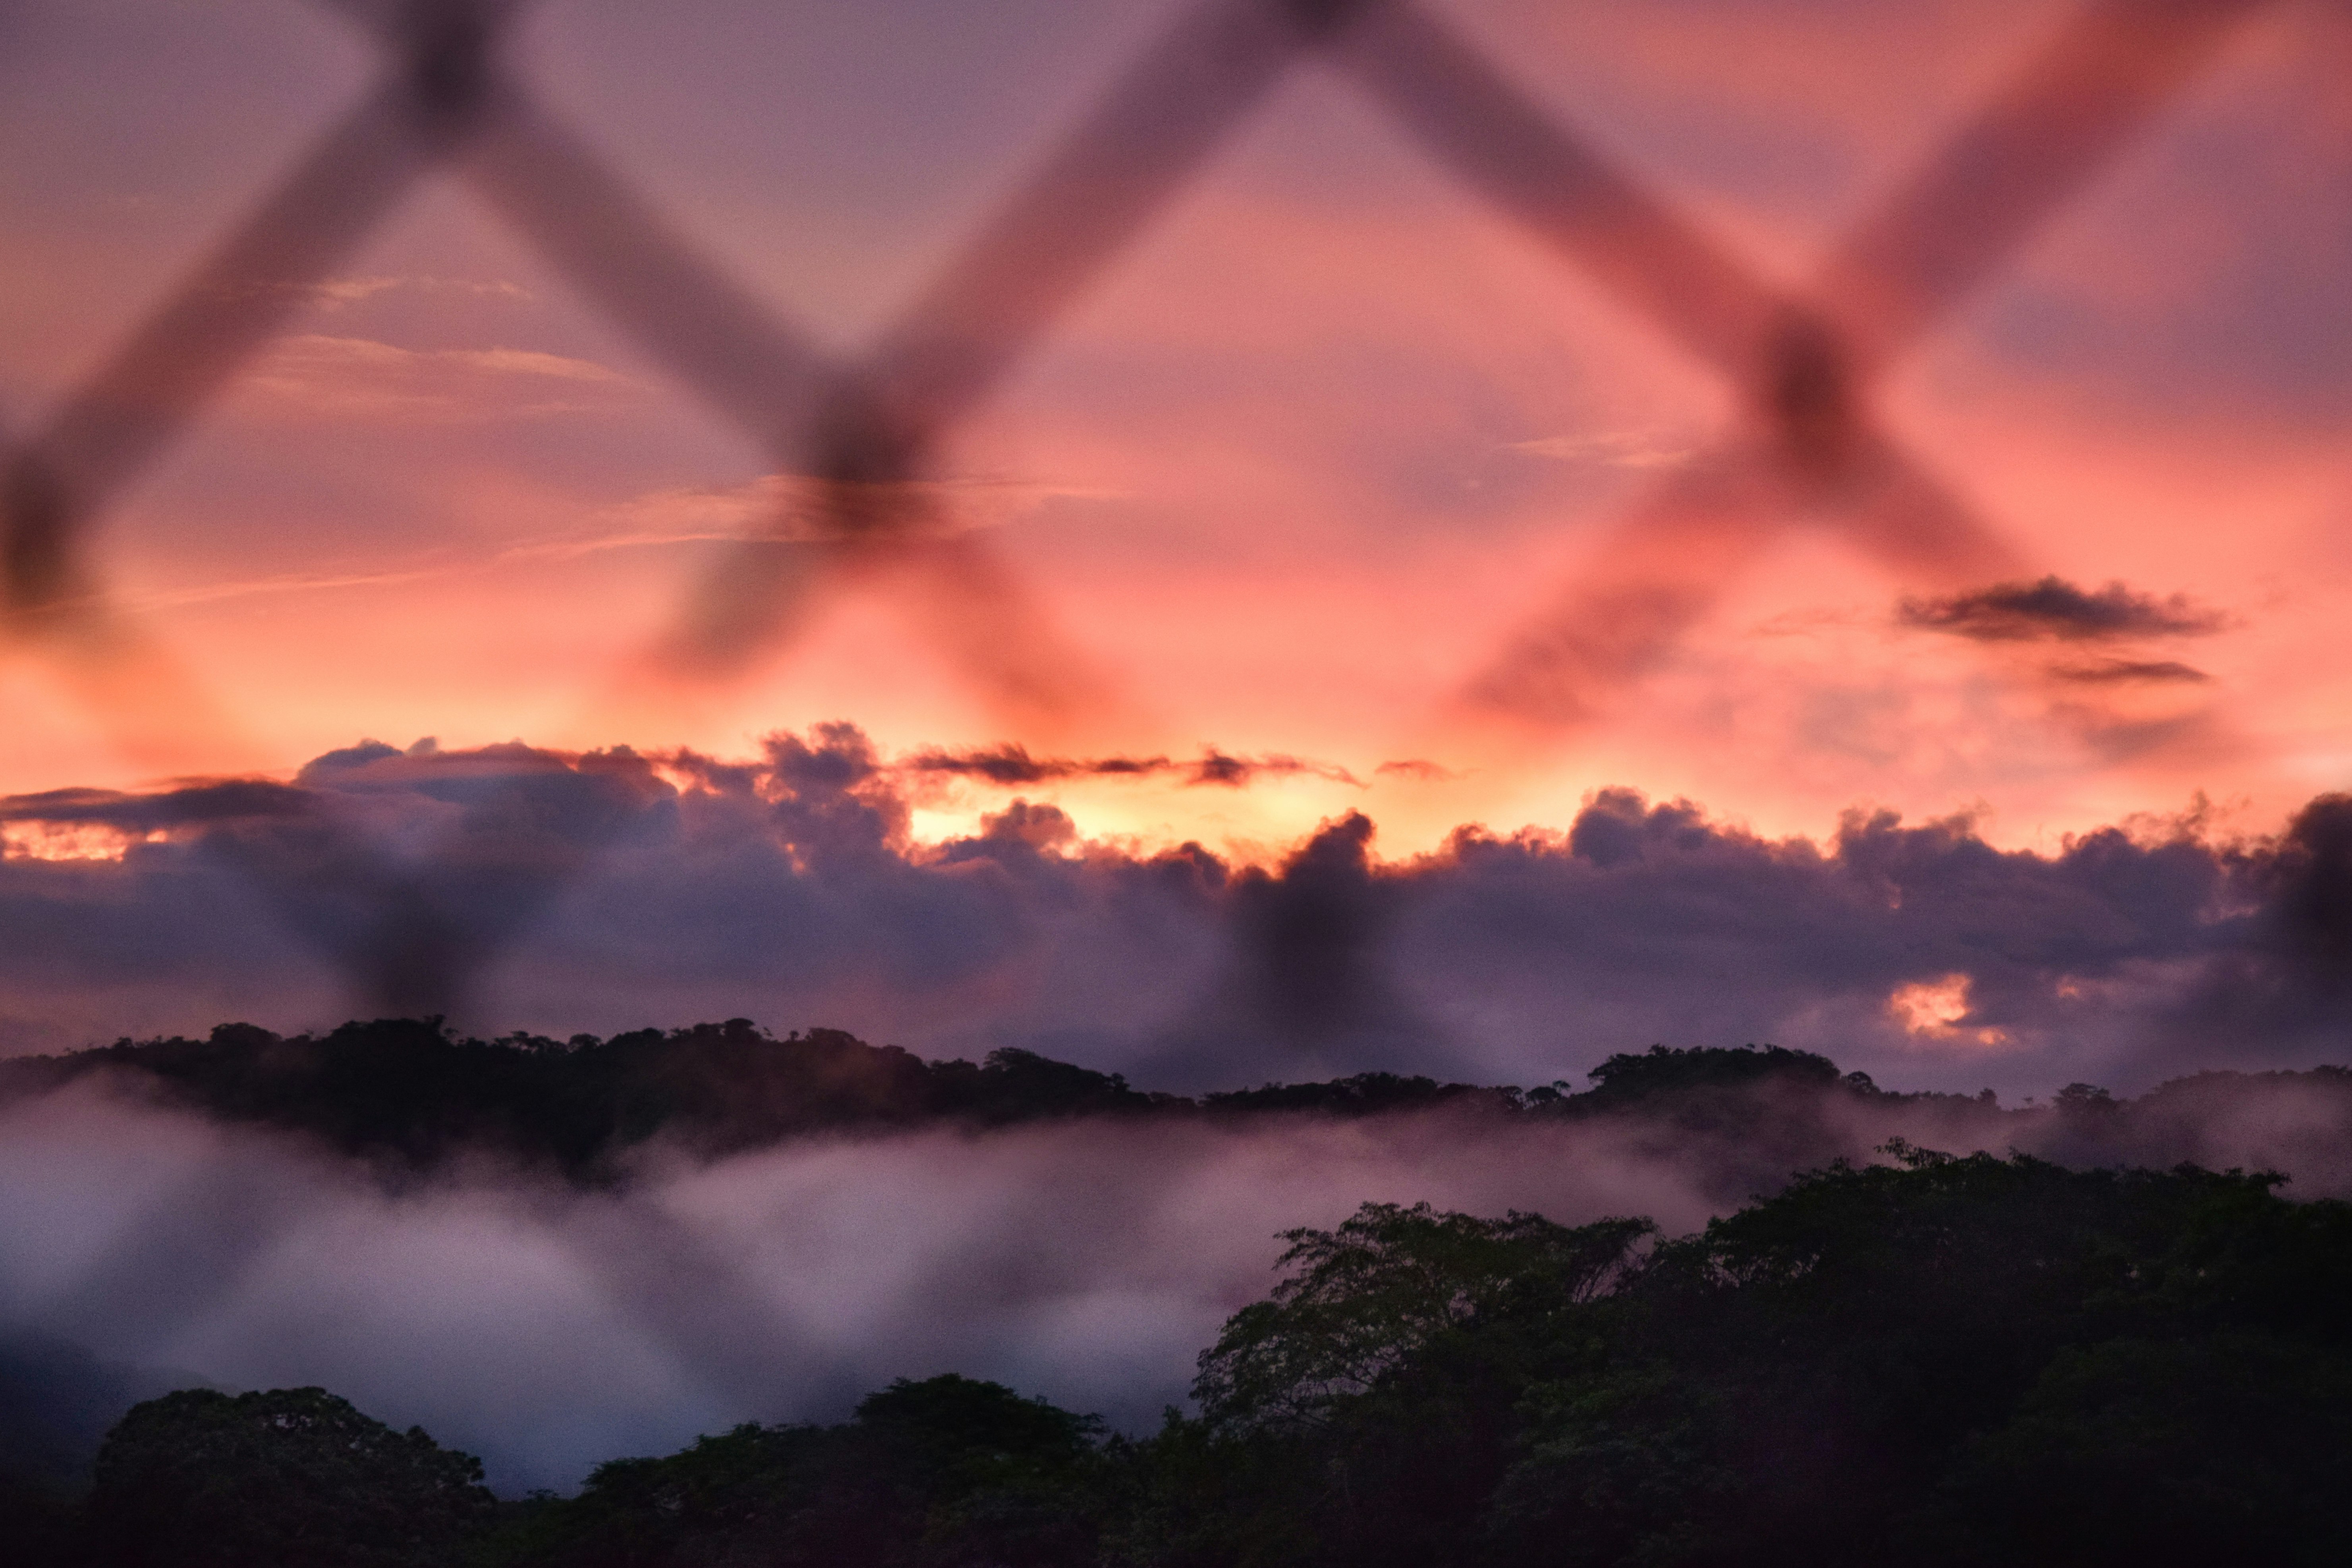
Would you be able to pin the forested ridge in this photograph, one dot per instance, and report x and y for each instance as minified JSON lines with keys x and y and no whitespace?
{"x":2105,"y":1355}
{"x":411,"y":1094}
{"x":1939,"y":1359}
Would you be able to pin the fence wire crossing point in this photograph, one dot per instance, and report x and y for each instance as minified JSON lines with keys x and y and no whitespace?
{"x":866,"y":433}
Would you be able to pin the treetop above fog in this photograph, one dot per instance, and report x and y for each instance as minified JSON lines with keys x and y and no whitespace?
{"x":412,"y":1094}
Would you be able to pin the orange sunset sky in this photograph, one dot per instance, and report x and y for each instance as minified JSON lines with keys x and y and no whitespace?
{"x":1285,"y":478}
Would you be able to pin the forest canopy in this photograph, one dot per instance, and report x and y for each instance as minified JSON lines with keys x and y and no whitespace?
{"x":1941,"y":1359}
{"x":411,"y":1094}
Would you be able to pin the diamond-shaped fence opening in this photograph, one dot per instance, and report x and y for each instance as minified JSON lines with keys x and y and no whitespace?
{"x":411,"y":934}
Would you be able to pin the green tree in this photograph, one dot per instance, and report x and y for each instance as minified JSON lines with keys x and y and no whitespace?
{"x":1381,"y":1380}
{"x":947,"y":1472}
{"x":1791,"y":1384}
{"x":1392,"y":1289}
{"x":2227,"y":1448}
{"x":294,"y":1478}
{"x":40,"y":1524}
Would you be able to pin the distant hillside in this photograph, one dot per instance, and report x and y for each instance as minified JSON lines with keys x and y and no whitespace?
{"x":409,"y":1094}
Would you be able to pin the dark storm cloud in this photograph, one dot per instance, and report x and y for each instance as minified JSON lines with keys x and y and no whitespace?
{"x":523,"y":888}
{"x":1214,"y":767}
{"x":1308,"y":986}
{"x":2055,"y":609}
{"x":1654,"y":920}
{"x":2291,"y":977}
{"x":2117,"y":671}
{"x":233,"y":799}
{"x":407,"y":872}
{"x":1010,"y":765}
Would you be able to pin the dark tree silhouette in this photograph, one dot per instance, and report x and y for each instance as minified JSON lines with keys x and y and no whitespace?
{"x":1943,"y":1361}
{"x":294,"y":1478}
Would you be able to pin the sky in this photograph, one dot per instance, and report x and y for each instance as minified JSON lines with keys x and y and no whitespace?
{"x":1335,"y":520}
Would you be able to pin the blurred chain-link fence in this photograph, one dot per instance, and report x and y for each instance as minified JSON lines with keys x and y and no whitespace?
{"x":863,"y":431}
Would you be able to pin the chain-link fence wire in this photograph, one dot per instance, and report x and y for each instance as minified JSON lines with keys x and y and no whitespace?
{"x":411,"y":933}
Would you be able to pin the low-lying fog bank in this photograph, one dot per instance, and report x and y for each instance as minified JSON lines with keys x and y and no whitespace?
{"x":547,"y":1323}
